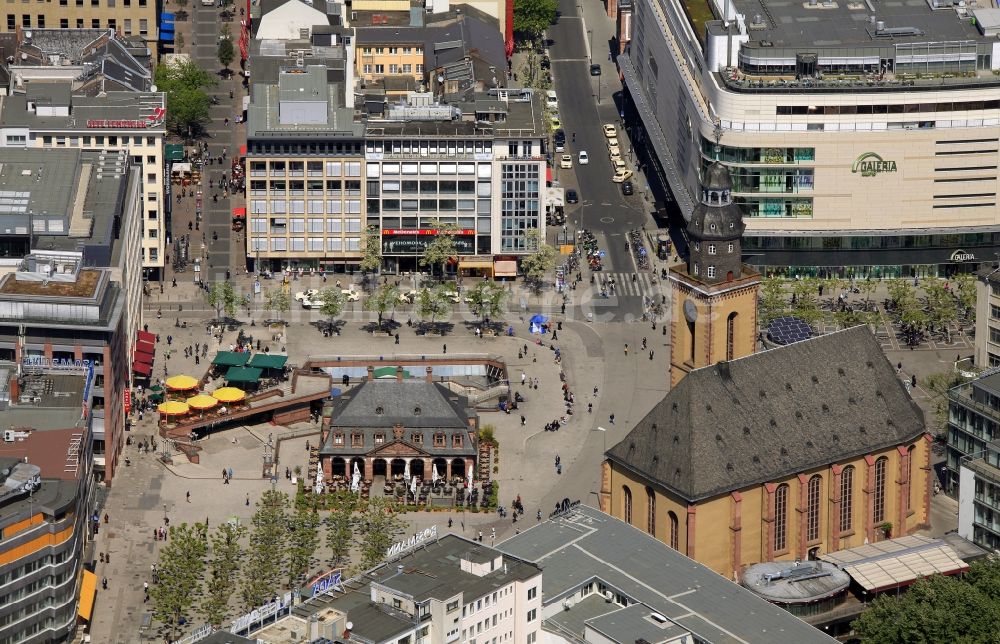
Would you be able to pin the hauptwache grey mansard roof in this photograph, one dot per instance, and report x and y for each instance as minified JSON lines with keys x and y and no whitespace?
{"x":412,"y":403}
{"x":772,"y":414}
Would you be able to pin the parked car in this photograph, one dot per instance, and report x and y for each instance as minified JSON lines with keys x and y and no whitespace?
{"x":610,"y":131}
{"x":627,"y":188}
{"x":572,"y":197}
{"x":310,"y":294}
{"x":617,"y":163}
{"x":551,"y":99}
{"x":556,"y":123}
{"x":622,"y":175}
{"x":408,"y":297}
{"x":560,"y":140}
{"x":614,"y":153}
{"x":595,"y":70}
{"x":612,"y":143}
{"x":350,"y":295}
{"x":566,"y":161}
{"x":584,"y":157}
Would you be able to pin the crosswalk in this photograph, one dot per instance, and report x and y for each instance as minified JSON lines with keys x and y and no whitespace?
{"x":629,"y":284}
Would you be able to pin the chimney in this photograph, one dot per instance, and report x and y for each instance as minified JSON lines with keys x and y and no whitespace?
{"x":430,"y":374}
{"x":399,"y":373}
{"x":371,"y":373}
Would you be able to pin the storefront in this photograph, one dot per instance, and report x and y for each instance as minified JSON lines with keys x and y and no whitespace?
{"x":402,"y":249}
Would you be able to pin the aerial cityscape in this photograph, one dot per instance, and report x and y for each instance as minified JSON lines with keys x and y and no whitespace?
{"x":499,"y":321}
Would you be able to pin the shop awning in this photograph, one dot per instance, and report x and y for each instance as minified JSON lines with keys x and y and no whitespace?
{"x":146,"y":336}
{"x":139,"y":356}
{"x":548,"y":174}
{"x":166,"y":36}
{"x":243,"y":150}
{"x":142,"y":368}
{"x":145,"y":347}
{"x":230,"y":359}
{"x":473,"y":262}
{"x":267,"y":361}
{"x":389,"y":372}
{"x":239,"y":212}
{"x":243,"y":374}
{"x":88,"y":590}
{"x":505,"y":268}
{"x":894,"y":563}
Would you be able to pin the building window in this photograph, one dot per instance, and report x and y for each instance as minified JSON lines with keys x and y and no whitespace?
{"x":910,"y":451}
{"x":780,"y":517}
{"x":64,"y":23}
{"x":26,"y":20}
{"x":417,"y":438}
{"x":878,"y":509}
{"x":847,"y":499}
{"x":357,"y":440}
{"x":730,"y":335}
{"x":338,"y":439}
{"x":41,"y":21}
{"x":711,"y":249}
{"x":532,"y":614}
{"x":730,"y":248}
{"x":95,"y":23}
{"x":812,"y":507}
{"x":627,"y":504}
{"x":650,"y":511}
{"x":143,"y":24}
{"x":456,"y":440}
{"x":379,"y":438}
{"x":674,"y":531}
{"x":532,"y":592}
{"x":439,"y":440}
{"x":710,"y":272}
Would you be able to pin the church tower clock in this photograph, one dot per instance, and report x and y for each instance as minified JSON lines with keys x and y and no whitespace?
{"x":714,"y":305}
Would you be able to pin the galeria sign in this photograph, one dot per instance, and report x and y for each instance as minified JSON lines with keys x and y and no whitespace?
{"x":412,"y":542}
{"x":870,"y":164}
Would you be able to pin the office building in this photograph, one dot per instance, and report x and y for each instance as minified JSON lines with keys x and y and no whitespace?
{"x":604,"y":581}
{"x":475,"y":162}
{"x":786,"y":454}
{"x":46,"y":501}
{"x":860,"y":143}
{"x":74,"y":293}
{"x":433,"y":589}
{"x":49,"y":115}
{"x":134,"y":18}
{"x":987,"y":338}
{"x":972,"y":466}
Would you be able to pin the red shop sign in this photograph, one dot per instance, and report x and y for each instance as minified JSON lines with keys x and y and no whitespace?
{"x":425,"y":231}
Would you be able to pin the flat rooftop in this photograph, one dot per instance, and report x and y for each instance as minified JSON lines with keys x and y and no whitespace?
{"x":85,"y":286}
{"x":842,"y":23}
{"x":584,"y":545}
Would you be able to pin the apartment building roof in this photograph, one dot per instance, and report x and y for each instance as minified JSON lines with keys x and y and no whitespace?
{"x":303,"y":102}
{"x":115,"y":111}
{"x":492,"y":114}
{"x":666,"y":590}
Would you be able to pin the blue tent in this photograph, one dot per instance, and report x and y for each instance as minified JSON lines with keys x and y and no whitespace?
{"x":536,"y":323}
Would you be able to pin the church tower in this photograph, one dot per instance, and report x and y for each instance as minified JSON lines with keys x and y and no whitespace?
{"x":714,"y":298}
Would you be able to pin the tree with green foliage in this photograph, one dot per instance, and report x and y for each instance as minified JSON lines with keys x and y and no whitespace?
{"x":223,"y":298}
{"x":533,"y":17}
{"x":303,"y":539}
{"x":384,"y":299}
{"x":379,"y":525}
{"x":851,"y":317}
{"x":938,"y":384}
{"x":181,"y":569}
{"x":805,"y":304}
{"x":371,"y":250}
{"x":332,"y":303}
{"x":942,"y":309}
{"x":339,"y":532}
{"x":934,"y":609}
{"x":185,"y":83}
{"x":487,"y":300}
{"x":226,"y":52}
{"x":867,"y":288}
{"x":265,"y":557}
{"x":900,"y":291}
{"x":223,"y":566}
{"x":434,"y":302}
{"x":443,"y":247}
{"x":965,"y":292}
{"x":276,"y":301}
{"x":539,"y":261}
{"x":773,"y":301}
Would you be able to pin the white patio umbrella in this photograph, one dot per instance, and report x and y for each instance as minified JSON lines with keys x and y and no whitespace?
{"x":356,"y":478}
{"x":434,"y":474}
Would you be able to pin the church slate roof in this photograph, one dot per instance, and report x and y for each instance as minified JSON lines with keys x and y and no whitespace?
{"x":770,"y":415}
{"x":412,"y":403}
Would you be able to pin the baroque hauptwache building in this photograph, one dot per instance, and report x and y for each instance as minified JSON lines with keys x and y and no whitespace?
{"x":784,"y":454}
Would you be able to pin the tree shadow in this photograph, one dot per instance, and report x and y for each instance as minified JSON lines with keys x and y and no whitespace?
{"x":442,"y":328}
{"x":328,"y":328}
{"x":388,"y":326}
{"x":496,"y":326}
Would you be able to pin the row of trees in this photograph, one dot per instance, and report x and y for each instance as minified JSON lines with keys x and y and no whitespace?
{"x":939,"y":306}
{"x":201,"y":571}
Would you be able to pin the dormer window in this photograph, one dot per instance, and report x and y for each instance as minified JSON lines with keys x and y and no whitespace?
{"x":712,"y":226}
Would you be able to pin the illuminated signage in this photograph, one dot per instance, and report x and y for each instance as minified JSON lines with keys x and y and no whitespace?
{"x":152,"y":120}
{"x":55,"y":363}
{"x":962,"y":256}
{"x":870,"y":164}
{"x":412,"y":542}
{"x":259,"y":614}
{"x":327,"y":582}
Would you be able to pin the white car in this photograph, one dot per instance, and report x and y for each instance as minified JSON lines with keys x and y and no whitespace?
{"x":310,"y":294}
{"x":566,"y":161}
{"x":622,"y":175}
{"x":584,"y":157}
{"x":551,"y":99}
{"x":350,"y":295}
{"x":453,"y":296}
{"x":612,"y":143}
{"x":610,"y":131}
{"x":617,"y":163}
{"x":408,"y":297}
{"x":614,"y":153}
{"x":311,"y":304}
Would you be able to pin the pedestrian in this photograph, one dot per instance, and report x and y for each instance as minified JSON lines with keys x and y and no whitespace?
{"x":188,"y":495}
{"x":104,"y":583}
{"x":444,"y":348}
{"x":590,"y":408}
{"x":397,"y":338}
{"x":644,"y":344}
{"x":612,"y":419}
{"x":595,"y":392}
{"x":248,"y":500}
{"x":899,"y":367}
{"x":626,"y":348}
{"x":480,"y":536}
{"x":913,"y":380}
{"x":524,"y":377}
{"x":650,"y":354}
{"x":523,"y":420}
{"x":102,"y":557}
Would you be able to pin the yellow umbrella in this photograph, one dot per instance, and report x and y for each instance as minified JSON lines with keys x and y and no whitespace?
{"x":173,"y":408}
{"x":182,"y":383}
{"x":202,"y":401}
{"x":229,"y":394}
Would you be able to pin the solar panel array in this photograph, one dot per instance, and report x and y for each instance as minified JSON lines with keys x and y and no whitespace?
{"x":788,"y":329}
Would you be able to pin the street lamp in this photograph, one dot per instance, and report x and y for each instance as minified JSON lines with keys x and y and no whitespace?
{"x":590,"y":46}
